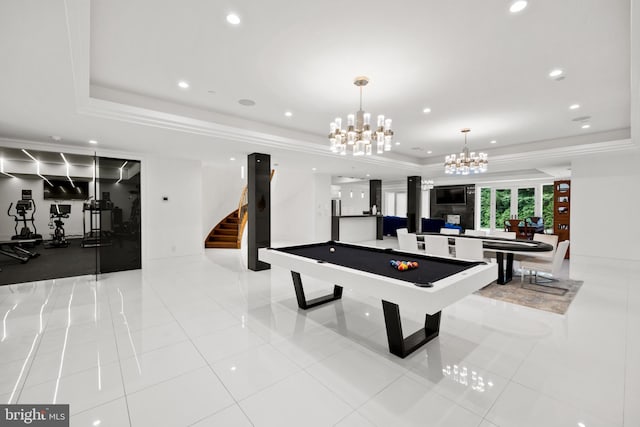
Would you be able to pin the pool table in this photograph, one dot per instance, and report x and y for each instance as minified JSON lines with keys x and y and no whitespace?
{"x":435,"y":284}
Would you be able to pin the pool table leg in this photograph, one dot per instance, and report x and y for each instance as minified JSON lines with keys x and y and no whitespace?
{"x":302,"y":300}
{"x":400,"y":346}
{"x":505,"y":274}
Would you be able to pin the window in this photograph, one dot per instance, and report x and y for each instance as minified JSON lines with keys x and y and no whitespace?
{"x":547,"y":206}
{"x":485,"y":207}
{"x":503,"y":207}
{"x":526,"y":202}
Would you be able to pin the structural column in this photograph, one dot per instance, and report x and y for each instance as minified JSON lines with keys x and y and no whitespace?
{"x":259,"y":208}
{"x":414,"y":204}
{"x":375,"y":198}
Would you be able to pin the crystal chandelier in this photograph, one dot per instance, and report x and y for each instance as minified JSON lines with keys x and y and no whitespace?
{"x":359,"y":136}
{"x":466,"y":162}
{"x":427,"y":184}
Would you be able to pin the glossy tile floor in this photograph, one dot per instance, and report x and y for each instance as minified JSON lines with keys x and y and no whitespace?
{"x":201,"y":341}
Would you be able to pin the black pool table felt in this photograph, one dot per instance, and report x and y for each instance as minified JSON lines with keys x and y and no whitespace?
{"x":377,"y":261}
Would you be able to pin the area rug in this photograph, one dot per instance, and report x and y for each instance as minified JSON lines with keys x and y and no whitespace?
{"x":535,"y":296}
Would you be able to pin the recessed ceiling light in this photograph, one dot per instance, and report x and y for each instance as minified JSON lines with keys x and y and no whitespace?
{"x":233,"y":19}
{"x":313,"y":169}
{"x":398,"y":143}
{"x":429,"y":152}
{"x":426,"y":110}
{"x":93,"y":141}
{"x":368,"y":174}
{"x":247,"y":102}
{"x":493,"y":141}
{"x":232,"y":158}
{"x":586,"y":126}
{"x":288,"y":113}
{"x":56,"y":138}
{"x":574,"y":106}
{"x":183,"y":85}
{"x":518,"y":6}
{"x":557,"y":72}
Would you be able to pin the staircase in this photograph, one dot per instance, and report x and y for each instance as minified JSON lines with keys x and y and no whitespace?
{"x":227,"y":234}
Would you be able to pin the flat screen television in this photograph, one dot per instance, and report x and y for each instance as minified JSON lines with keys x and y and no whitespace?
{"x":451,"y":195}
{"x":63,"y":190}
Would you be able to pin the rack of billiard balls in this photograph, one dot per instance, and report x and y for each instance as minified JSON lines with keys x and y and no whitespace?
{"x":403,"y":265}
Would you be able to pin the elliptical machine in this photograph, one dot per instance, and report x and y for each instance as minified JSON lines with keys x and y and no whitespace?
{"x":22,"y":206}
{"x":58,"y":238}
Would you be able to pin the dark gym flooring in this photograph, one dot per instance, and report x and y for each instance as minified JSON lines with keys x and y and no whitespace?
{"x":73,"y":260}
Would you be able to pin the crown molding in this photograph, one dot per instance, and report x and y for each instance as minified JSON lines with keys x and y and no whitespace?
{"x":565,"y":153}
{"x":78,"y":15}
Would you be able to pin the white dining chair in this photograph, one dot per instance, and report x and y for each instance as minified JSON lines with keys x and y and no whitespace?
{"x":551,"y":266}
{"x":470,"y":249}
{"x":472,"y":232}
{"x":436,"y":245}
{"x":401,"y":231}
{"x":408,"y":242}
{"x":503,"y":234}
{"x":452,"y":231}
{"x":551,"y":239}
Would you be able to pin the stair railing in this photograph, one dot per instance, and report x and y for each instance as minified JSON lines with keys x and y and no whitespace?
{"x":242,"y":204}
{"x":243,"y":212}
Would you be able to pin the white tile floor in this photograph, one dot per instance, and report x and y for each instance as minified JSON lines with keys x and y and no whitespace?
{"x":201,"y":341}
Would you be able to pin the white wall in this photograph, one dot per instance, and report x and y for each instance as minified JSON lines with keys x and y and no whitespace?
{"x":11,"y":192}
{"x":401,"y":205}
{"x":221,"y":189}
{"x":174,"y":227}
{"x":357,"y":204}
{"x":300,"y":206}
{"x":604,"y":207}
{"x":322,"y":211}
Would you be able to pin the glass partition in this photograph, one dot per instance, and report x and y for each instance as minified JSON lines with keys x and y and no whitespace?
{"x":67,"y":215}
{"x":118,"y":187}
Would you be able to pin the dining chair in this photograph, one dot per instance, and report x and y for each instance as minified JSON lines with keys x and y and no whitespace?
{"x":436,"y":245}
{"x":408,"y":242}
{"x":503,"y":234}
{"x":402,"y":231}
{"x":472,"y":232}
{"x":453,"y":231}
{"x":470,"y":249}
{"x":551,"y":239}
{"x":551,"y":266}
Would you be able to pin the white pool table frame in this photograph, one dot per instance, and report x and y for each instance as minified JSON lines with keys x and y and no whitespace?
{"x":392,"y":292}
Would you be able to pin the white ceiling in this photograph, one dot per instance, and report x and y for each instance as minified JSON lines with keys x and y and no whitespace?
{"x":473,"y":63}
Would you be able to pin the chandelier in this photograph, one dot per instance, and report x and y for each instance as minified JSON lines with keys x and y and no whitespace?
{"x":427,"y":184}
{"x":466,"y":162}
{"x":359,"y":136}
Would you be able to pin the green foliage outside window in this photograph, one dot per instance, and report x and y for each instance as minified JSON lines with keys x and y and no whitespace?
{"x":526,"y":202}
{"x":503,"y":208}
{"x":526,"y":206}
{"x":485,"y":207}
{"x":547,"y":206}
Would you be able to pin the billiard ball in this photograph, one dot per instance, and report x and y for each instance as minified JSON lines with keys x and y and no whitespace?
{"x":332,"y":249}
